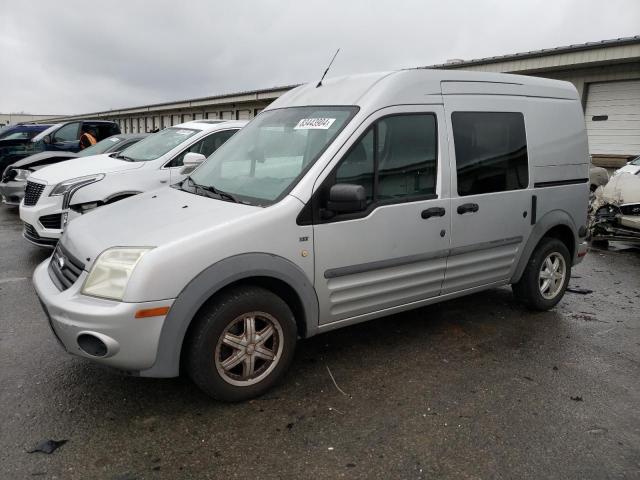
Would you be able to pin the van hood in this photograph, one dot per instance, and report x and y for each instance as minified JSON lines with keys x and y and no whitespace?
{"x":150,"y":219}
{"x":83,"y":166}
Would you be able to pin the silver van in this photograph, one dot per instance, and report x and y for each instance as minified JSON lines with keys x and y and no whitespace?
{"x":341,"y":202}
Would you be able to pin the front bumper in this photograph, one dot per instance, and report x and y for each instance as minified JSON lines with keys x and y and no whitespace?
{"x":12,"y":192}
{"x":131,"y":343}
{"x":45,"y":221}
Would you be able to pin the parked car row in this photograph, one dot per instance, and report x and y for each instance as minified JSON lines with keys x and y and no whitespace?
{"x":61,"y":137}
{"x":53,"y":187}
{"x":14,"y":179}
{"x":15,"y":140}
{"x":343,"y":201}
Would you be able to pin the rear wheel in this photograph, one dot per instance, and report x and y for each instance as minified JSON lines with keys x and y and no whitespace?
{"x":242,"y":344}
{"x":546,"y":275}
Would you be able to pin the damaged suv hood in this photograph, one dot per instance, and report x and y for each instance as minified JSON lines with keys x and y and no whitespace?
{"x":83,"y":166}
{"x":621,"y":189}
{"x":150,"y":219}
{"x":41,"y":159}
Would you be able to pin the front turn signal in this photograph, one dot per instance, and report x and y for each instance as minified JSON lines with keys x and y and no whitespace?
{"x":152,"y":312}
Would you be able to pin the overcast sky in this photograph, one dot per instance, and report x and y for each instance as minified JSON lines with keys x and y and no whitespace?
{"x":64,"y":56}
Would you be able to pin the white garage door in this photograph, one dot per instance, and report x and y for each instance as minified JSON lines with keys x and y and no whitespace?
{"x":613,"y":118}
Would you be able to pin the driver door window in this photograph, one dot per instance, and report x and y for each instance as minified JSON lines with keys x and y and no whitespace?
{"x":395,"y":161}
{"x":68,"y":133}
{"x":205,"y":146}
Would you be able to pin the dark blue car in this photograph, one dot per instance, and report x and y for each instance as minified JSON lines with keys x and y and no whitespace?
{"x":21,"y":131}
{"x":61,"y":137}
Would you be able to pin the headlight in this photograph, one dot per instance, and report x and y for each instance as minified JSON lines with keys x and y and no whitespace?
{"x":21,"y":174}
{"x":70,"y":186}
{"x":111,"y":272}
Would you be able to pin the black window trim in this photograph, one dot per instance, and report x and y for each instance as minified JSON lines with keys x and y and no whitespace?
{"x":454,"y":171}
{"x":310,"y":214}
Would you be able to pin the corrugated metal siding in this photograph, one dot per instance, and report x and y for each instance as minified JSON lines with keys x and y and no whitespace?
{"x":619,"y":102}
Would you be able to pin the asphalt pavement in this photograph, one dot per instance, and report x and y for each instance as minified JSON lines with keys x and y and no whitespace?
{"x":476,"y":387}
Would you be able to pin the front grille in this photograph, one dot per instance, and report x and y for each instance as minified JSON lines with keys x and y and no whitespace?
{"x":632,"y":209}
{"x":31,"y":234}
{"x":52,"y":221}
{"x":32,"y":193}
{"x":64,"y":268}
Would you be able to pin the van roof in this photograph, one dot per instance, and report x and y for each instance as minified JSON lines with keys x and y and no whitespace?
{"x":380,"y":89}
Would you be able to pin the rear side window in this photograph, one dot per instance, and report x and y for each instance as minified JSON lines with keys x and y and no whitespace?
{"x":491,"y":152}
{"x":102,"y":130}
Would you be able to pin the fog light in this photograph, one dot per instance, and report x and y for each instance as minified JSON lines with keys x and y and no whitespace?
{"x":92,"y":345}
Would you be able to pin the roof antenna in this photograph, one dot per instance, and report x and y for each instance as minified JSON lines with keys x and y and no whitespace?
{"x":325,"y":72}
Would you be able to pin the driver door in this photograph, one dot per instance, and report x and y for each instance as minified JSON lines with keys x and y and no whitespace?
{"x":66,"y":138}
{"x":394,"y":252}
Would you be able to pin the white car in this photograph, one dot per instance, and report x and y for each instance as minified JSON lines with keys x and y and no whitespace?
{"x":59,"y":193}
{"x":632,"y":167}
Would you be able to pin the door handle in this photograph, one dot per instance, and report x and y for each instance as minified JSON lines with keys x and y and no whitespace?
{"x":468,"y":208}
{"x":433,"y":212}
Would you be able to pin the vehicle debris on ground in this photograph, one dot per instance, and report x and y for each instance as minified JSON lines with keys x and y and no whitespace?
{"x":615,"y":211}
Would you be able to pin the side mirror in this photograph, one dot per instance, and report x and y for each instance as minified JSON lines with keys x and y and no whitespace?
{"x":47,"y":139}
{"x":192,"y":159}
{"x":347,"y":198}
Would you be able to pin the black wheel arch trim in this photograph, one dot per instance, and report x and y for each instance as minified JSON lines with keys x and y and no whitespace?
{"x":213,"y":279}
{"x":540,"y":229}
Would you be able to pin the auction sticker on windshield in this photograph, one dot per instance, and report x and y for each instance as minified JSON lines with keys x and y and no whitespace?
{"x":314,"y":124}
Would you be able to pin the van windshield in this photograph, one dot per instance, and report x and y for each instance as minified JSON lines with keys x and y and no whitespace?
{"x":260,"y":163}
{"x":156,"y":145}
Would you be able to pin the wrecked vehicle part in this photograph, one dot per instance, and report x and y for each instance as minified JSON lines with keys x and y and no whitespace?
{"x":615,"y":211}
{"x":47,"y":446}
{"x":598,"y":177}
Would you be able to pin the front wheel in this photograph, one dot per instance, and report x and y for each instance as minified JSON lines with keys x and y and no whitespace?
{"x":242,"y":344}
{"x":546,"y":275}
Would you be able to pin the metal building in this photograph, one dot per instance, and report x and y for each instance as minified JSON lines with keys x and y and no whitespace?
{"x":7,"y":118}
{"x":606,"y":74}
{"x":607,"y":77}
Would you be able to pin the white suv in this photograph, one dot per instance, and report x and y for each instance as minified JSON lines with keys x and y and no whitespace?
{"x":57,"y":194}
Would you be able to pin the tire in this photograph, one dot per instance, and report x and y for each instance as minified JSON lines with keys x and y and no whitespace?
{"x":530,"y":290}
{"x":226,"y":356}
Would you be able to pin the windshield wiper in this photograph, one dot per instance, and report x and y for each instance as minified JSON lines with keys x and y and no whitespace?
{"x":124,"y":157}
{"x":220,"y":193}
{"x":215,"y":191}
